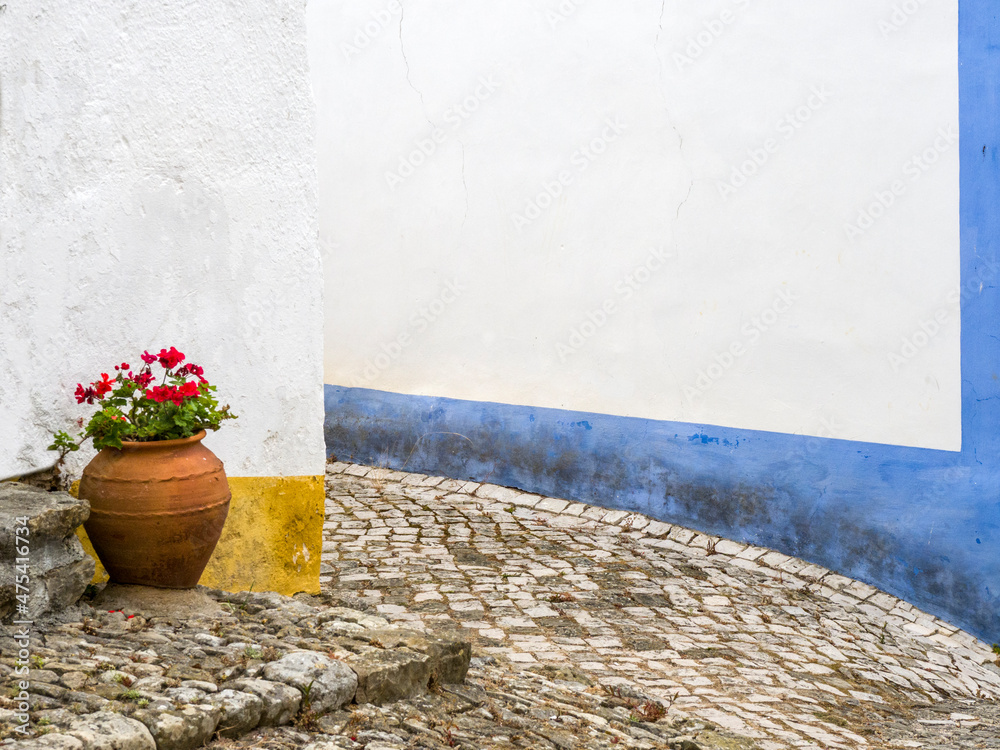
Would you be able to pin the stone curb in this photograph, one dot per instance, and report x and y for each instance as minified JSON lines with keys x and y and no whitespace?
{"x":645,"y":530}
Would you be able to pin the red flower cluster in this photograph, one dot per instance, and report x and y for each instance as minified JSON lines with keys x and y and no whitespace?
{"x":84,"y":394}
{"x":96,"y":390}
{"x":192,"y":369}
{"x":161,"y":393}
{"x":143,"y":379}
{"x":138,"y":406}
{"x":169,"y":359}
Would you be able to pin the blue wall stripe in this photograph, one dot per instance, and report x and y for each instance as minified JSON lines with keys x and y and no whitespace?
{"x":921,"y":524}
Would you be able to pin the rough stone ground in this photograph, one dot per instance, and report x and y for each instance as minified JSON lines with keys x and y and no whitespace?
{"x":588,"y":623}
{"x":139,"y":668}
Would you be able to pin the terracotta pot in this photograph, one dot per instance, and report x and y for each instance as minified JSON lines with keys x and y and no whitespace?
{"x":156,"y":510}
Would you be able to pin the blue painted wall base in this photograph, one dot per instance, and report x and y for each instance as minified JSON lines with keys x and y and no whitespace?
{"x":921,"y":524}
{"x":924,"y":530}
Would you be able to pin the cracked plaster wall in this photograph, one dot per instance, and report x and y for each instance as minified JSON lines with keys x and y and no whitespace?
{"x":646,"y":209}
{"x":158,"y":188}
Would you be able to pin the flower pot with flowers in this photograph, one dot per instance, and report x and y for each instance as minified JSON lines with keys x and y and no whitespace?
{"x":158,"y":497}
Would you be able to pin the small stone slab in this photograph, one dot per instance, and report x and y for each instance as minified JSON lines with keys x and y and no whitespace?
{"x":52,"y":515}
{"x":326,"y":684}
{"x":110,"y":731}
{"x":343,"y":614}
{"x":51,"y":742}
{"x":241,"y":712}
{"x":186,"y":728}
{"x":280,"y":701}
{"x":449,"y":656}
{"x":386,"y":676}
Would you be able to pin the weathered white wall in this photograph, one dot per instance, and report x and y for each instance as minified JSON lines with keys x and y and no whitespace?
{"x":646,"y":209}
{"x":158,"y":188}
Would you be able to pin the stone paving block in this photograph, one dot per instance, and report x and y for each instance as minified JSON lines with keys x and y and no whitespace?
{"x":241,"y":712}
{"x":525,"y":500}
{"x":387,"y":676}
{"x":330,"y":683}
{"x":279,"y":702}
{"x":551,"y":505}
{"x":635,"y":522}
{"x":681,"y":535}
{"x":883,"y":601}
{"x":813,"y":572}
{"x":774,"y":559}
{"x":185,"y":728}
{"x":860,"y":590}
{"x":658,"y":528}
{"x":110,"y":731}
{"x":494,"y":492}
{"x":357,"y":470}
{"x":726,"y":547}
{"x":753,"y":553}
{"x":51,"y":742}
{"x":745,"y":564}
{"x":615,"y":516}
{"x":449,"y":656}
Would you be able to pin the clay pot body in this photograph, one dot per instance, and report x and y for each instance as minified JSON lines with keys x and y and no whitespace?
{"x":156,"y":510}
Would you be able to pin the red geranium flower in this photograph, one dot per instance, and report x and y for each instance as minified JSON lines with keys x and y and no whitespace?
{"x":103,"y":386}
{"x":143,"y":379}
{"x":160,"y":393}
{"x":148,"y":358}
{"x":189,"y":390}
{"x":84,"y":394}
{"x":170,"y":359}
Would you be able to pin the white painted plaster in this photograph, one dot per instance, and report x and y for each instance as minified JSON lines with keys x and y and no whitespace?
{"x":158,"y":188}
{"x":502,"y":98}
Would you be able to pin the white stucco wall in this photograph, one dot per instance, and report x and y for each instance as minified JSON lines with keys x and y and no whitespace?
{"x":715,"y":211}
{"x":158,"y":188}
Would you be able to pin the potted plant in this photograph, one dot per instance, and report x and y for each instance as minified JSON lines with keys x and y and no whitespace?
{"x":158,"y":497}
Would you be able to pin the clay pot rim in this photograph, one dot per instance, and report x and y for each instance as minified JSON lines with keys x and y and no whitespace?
{"x":150,"y":444}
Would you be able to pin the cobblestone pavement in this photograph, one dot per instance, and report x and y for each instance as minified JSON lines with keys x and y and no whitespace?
{"x":764,"y":646}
